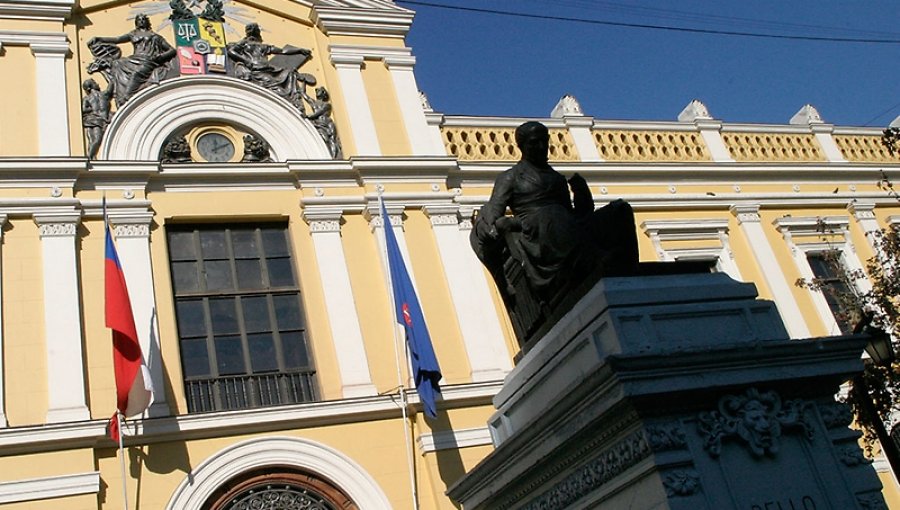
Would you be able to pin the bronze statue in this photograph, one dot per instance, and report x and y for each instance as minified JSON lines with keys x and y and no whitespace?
{"x":214,"y":11}
{"x":255,"y":150}
{"x":251,"y":57}
{"x":557,"y":242}
{"x":176,"y":150}
{"x":320,"y":115}
{"x":148,"y":64}
{"x":95,"y":114}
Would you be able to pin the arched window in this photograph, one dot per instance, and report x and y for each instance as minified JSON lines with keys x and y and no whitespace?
{"x":279,"y":489}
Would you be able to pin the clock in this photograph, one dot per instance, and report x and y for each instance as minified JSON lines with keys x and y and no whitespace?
{"x":215,"y":147}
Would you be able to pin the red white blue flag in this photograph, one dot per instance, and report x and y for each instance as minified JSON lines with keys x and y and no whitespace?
{"x":134,"y":389}
{"x":426,"y":371}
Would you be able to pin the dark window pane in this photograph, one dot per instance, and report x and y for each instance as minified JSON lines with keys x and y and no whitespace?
{"x":212,"y":244}
{"x":222,"y":315}
{"x":181,"y":246}
{"x":194,"y":357}
{"x":249,"y":274}
{"x":184,"y":276}
{"x":274,"y":242}
{"x":243,"y":242}
{"x":287,"y":311}
{"x":218,"y":275}
{"x":190,"y":318}
{"x":262,"y":352}
{"x":280,"y":273}
{"x":294,"y":349}
{"x":256,"y":314}
{"x":229,"y":355}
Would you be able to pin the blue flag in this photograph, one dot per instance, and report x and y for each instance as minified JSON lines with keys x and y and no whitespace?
{"x":426,"y":371}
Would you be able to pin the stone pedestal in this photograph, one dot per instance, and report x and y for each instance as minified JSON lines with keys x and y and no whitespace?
{"x":675,"y":392}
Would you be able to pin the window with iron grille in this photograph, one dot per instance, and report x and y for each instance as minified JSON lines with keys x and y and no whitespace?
{"x":825,"y":267}
{"x":241,"y":325}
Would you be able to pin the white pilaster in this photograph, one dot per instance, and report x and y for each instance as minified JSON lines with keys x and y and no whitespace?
{"x":325,"y":226}
{"x":349,"y":70}
{"x":62,"y":317}
{"x":401,"y":69}
{"x":749,"y":220}
{"x":52,"y":103}
{"x":3,"y":422}
{"x":475,"y":312}
{"x":132,"y":235}
{"x":864,"y":213}
{"x":823,"y":134}
{"x":711,"y":131}
{"x":580,"y":129}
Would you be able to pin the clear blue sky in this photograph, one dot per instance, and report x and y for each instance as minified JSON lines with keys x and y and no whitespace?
{"x":472,"y":63}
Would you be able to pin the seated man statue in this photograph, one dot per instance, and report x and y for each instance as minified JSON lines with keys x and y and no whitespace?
{"x":558,"y":242}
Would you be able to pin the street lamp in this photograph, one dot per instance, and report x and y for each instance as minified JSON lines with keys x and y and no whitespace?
{"x":881,"y":352}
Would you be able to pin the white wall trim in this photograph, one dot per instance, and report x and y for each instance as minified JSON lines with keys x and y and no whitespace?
{"x":800,"y":228}
{"x":661,"y":231}
{"x":340,"y":303}
{"x":476,"y":314}
{"x":132,"y":237}
{"x":139,"y":130}
{"x":417,"y":129}
{"x":749,"y":220}
{"x":62,"y":317}
{"x":3,"y":421}
{"x":348,"y":62}
{"x":453,"y":439}
{"x":239,"y":458}
{"x":51,"y":487}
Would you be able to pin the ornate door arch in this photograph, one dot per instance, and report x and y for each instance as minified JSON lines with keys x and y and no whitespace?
{"x":279,"y":489}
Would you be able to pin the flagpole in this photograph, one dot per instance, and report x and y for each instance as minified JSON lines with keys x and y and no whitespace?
{"x":404,"y":401}
{"x":122,"y":457}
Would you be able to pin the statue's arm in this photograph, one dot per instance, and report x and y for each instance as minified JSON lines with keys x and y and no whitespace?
{"x":167,"y":52}
{"x":292,"y":51}
{"x":495,"y":207}
{"x":581,"y":195}
{"x":111,"y":40}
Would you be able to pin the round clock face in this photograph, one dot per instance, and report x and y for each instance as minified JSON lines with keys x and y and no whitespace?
{"x":215,"y":147}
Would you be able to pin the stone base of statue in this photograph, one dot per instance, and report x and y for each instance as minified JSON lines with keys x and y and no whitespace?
{"x":675,"y":392}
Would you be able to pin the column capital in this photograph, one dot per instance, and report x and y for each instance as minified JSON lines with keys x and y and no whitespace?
{"x":400,"y":63}
{"x":49,"y":49}
{"x":58,"y":224}
{"x":746,"y":213}
{"x":322,"y":220}
{"x":131,"y":224}
{"x":443,"y":214}
{"x":862,"y":210}
{"x":372,"y":213}
{"x":344,"y":60}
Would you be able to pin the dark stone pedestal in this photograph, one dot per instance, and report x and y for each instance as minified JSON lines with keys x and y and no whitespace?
{"x":675,"y":392}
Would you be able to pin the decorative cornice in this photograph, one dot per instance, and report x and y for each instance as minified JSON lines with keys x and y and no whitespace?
{"x":87,"y":434}
{"x":50,"y":487}
{"x":45,"y":10}
{"x":451,"y":439}
{"x":353,"y":21}
{"x":442,"y":214}
{"x":32,"y":37}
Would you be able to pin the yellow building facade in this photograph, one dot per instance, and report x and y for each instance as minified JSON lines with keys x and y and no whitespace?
{"x":259,"y":286}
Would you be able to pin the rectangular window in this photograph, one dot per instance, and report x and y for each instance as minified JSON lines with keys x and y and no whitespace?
{"x":826,"y":267}
{"x":240,"y":319}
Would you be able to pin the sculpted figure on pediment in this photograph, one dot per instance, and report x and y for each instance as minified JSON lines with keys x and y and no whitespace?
{"x":252,"y":63}
{"x":148,"y":64}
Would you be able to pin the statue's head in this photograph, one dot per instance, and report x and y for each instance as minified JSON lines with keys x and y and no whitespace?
{"x":322,"y":94}
{"x":253,"y":30}
{"x":89,"y":85}
{"x":533,"y":139}
{"x":142,"y":21}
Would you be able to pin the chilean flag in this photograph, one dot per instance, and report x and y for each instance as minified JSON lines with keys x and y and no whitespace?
{"x":134,"y":389}
{"x":426,"y":371}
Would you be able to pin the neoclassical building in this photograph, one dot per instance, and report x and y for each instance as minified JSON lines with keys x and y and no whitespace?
{"x":242,"y":171}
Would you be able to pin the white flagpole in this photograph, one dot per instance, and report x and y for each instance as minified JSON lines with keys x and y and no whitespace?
{"x":404,"y":401}
{"x":119,"y":420}
{"x":122,"y":456}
